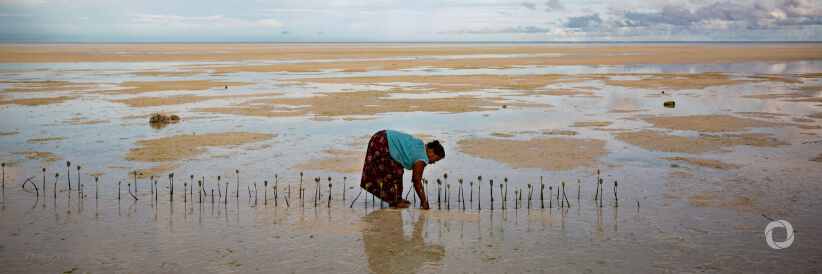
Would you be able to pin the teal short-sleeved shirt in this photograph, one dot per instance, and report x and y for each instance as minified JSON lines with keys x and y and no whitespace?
{"x":405,"y":149}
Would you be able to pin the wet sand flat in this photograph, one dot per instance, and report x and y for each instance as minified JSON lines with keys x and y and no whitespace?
{"x":260,"y":123}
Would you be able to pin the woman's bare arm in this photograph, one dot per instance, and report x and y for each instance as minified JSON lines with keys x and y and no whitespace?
{"x":416,"y":179}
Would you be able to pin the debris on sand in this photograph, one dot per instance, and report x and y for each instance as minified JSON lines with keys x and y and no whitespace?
{"x":161,"y":118}
{"x":158,"y":121}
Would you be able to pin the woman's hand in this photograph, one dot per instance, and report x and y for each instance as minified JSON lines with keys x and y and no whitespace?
{"x":416,"y":179}
{"x":425,"y":205}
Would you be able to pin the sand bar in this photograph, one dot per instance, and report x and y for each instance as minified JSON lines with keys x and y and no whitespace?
{"x":546,"y":154}
{"x":579,"y":54}
{"x":182,"y":146}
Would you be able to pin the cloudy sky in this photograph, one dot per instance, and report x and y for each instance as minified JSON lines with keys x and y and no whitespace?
{"x":408,"y":21}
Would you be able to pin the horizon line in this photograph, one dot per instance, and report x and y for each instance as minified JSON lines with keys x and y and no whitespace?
{"x":430,"y":42}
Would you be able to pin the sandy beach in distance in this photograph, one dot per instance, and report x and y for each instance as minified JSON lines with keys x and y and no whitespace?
{"x":742,"y":140}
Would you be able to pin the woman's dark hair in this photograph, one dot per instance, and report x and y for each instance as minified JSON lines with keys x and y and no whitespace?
{"x":437,"y":147}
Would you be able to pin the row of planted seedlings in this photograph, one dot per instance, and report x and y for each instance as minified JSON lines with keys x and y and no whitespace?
{"x":444,"y":193}
{"x":444,"y":196}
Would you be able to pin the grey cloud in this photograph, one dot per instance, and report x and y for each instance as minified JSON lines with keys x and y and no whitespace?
{"x":529,"y":5}
{"x":583,"y":21}
{"x":504,"y":13}
{"x":554,"y":5}
{"x":727,"y":20}
{"x":517,"y":29}
{"x":758,"y":16}
{"x":285,"y":32}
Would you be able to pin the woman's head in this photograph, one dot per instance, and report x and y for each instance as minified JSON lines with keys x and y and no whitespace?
{"x":435,"y":151}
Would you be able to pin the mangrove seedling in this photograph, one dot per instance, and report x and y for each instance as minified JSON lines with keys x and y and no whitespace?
{"x":530,"y":191}
{"x":491,"y":191}
{"x":459,"y":194}
{"x":219,"y":192}
{"x":599,"y":181}
{"x":191,"y":192}
{"x":185,"y":196}
{"x":97,"y":188}
{"x":615,"y":194}
{"x":276,"y":183}
{"x":226,"y":191}
{"x":541,"y":197}
{"x":44,"y":181}
{"x":558,"y":199}
{"x":479,"y":192}
{"x":36,"y":190}
{"x":286,"y":197}
{"x":344,"y":190}
{"x":439,"y":201}
{"x":503,"y":196}
{"x":564,"y":196}
{"x":425,"y":189}
{"x":516,"y":205}
{"x":355,"y":199}
{"x":54,"y":188}
{"x":199,"y":191}
{"x":132,"y":194}
{"x":118,"y":189}
{"x":447,"y":193}
{"x":4,"y":176}
{"x":579,"y":188}
{"x":329,"y":181}
{"x":471,"y":196}
{"x":135,"y":179}
{"x":212,"y":196}
{"x":265,"y":193}
{"x":463,"y":195}
{"x":68,"y":173}
{"x":171,"y":186}
{"x":151,"y":185}
{"x":238,"y":182}
{"x":550,"y":197}
{"x":329,"y":193}
{"x":317,"y":186}
{"x":255,"y":193}
{"x":156,"y":193}
{"x":301,"y":188}
{"x":79,"y":187}
{"x":603,"y":194}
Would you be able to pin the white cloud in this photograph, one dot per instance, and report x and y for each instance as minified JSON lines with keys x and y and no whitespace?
{"x":620,"y":7}
{"x":26,"y":2}
{"x":714,"y":24}
{"x":205,"y":22}
{"x":274,"y":23}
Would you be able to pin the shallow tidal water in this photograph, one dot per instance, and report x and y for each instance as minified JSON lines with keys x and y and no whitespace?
{"x":661,"y":222}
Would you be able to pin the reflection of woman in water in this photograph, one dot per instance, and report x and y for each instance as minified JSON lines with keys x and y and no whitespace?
{"x":389,"y":153}
{"x":389,"y":251}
